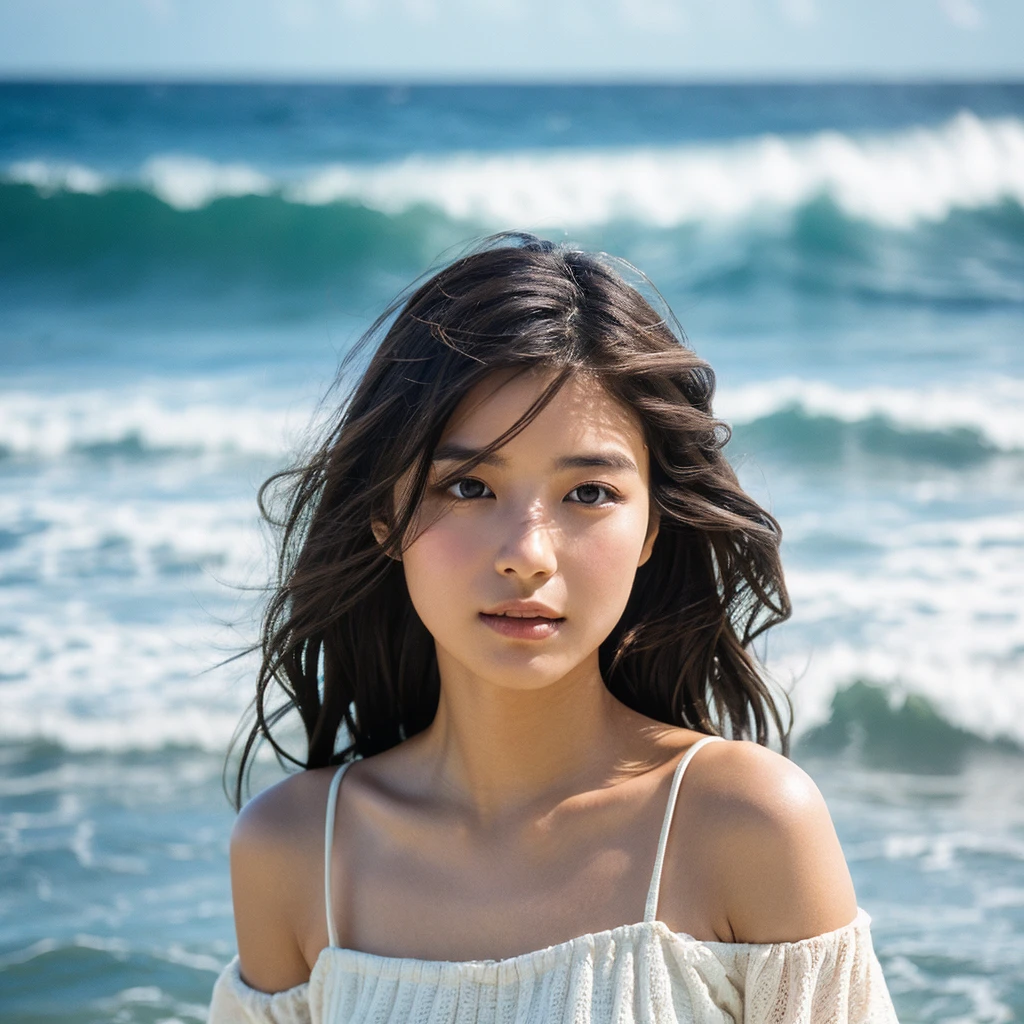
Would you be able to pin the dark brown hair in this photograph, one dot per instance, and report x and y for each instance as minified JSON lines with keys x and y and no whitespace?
{"x":340,"y":637}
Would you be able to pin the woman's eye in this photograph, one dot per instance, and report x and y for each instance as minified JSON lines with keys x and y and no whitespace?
{"x":591,"y":494}
{"x":468,"y":488}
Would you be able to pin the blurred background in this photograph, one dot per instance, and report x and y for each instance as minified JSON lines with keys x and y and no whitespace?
{"x":203,"y":203}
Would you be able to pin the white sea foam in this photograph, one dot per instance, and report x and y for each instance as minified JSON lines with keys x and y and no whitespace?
{"x":50,"y":425}
{"x":144,"y":539}
{"x":118,"y":608}
{"x":117,"y":575}
{"x":50,"y":177}
{"x":101,"y":685}
{"x":939,"y":613}
{"x":895,"y":179}
{"x":197,"y":420}
{"x":993,"y":408}
{"x":191,"y":182}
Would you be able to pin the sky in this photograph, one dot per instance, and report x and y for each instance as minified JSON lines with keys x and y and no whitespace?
{"x":579,"y":40}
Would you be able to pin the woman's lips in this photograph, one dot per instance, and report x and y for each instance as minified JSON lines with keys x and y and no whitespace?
{"x":535,"y":628}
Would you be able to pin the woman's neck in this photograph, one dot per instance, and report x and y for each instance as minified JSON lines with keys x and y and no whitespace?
{"x":498,"y":751}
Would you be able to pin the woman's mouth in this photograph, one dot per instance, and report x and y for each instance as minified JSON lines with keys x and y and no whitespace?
{"x":533,"y":627}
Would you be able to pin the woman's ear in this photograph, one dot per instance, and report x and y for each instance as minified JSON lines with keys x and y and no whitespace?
{"x":653,"y":522}
{"x":380,"y":532}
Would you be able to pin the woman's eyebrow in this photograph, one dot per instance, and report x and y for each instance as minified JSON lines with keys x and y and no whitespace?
{"x":597,"y":460}
{"x":450,"y":451}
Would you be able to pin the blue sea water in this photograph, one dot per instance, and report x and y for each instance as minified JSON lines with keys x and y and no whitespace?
{"x":181,"y":268}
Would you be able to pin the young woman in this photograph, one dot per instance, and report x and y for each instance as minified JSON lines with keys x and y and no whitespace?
{"x":518,"y":590}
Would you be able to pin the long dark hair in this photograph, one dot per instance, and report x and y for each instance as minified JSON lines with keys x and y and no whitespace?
{"x":340,"y":638}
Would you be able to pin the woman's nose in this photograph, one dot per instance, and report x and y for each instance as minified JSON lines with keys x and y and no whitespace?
{"x":529,"y":548}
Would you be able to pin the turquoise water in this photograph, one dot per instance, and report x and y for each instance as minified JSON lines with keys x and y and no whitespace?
{"x":180,"y":270}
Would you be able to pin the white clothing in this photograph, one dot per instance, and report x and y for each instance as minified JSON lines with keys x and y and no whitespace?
{"x":641,"y":973}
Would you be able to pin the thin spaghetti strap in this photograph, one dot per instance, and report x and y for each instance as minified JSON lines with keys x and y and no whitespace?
{"x":651,"y":909}
{"x":332,"y":802}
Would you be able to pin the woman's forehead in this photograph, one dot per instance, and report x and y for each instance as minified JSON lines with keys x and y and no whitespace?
{"x":582,"y":412}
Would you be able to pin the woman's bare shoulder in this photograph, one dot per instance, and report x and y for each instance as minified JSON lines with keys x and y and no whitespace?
{"x":276,"y":858}
{"x":779,"y":869}
{"x":285,"y":812}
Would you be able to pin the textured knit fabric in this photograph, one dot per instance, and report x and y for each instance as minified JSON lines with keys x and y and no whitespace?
{"x":640,"y":973}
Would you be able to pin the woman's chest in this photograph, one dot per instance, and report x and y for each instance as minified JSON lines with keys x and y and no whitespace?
{"x":444,"y":893}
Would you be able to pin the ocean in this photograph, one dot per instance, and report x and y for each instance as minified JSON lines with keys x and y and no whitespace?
{"x":181,"y":269}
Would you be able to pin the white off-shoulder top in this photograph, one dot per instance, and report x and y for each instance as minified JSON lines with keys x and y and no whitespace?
{"x":641,"y":973}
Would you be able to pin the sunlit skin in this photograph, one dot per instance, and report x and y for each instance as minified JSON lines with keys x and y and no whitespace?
{"x":538,"y":526}
{"x":534,"y":527}
{"x":528,"y":811}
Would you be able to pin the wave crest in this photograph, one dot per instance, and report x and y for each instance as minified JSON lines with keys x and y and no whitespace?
{"x":895,"y":180}
{"x":802,"y":417}
{"x":810,"y":420}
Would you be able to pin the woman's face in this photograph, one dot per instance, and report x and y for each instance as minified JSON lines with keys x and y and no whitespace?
{"x":524,"y":566}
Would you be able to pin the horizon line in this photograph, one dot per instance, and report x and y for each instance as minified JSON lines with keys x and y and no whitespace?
{"x":405,"y":80}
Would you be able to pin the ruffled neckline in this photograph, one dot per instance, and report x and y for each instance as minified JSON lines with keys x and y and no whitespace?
{"x":415,"y":968}
{"x":521,"y":964}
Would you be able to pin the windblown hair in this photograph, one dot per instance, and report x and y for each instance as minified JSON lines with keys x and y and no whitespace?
{"x":340,"y":637}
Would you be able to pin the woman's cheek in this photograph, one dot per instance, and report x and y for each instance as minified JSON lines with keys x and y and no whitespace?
{"x":435,"y":573}
{"x":604,"y":561}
